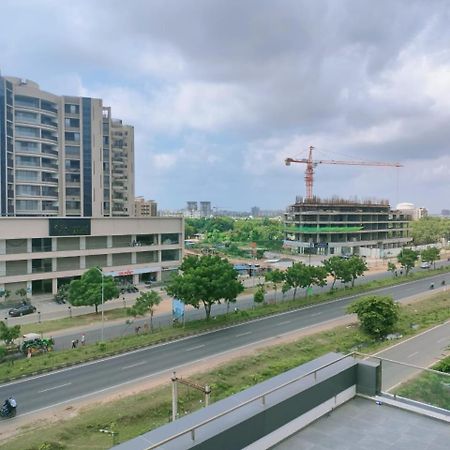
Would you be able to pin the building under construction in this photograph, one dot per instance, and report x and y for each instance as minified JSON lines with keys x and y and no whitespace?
{"x":344,"y":227}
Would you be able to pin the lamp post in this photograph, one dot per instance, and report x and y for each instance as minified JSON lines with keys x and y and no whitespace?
{"x":103,"y":303}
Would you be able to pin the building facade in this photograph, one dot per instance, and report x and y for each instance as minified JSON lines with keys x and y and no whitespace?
{"x":344,"y":227}
{"x":41,"y":254}
{"x":62,"y":155}
{"x":145,"y":208}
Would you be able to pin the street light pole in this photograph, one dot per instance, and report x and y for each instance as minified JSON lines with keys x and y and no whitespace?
{"x":103,"y":304}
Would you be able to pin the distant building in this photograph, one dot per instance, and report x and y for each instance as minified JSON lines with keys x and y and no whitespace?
{"x":409,"y":208}
{"x":205,"y":209}
{"x":62,"y":155}
{"x":145,"y":208}
{"x":255,"y":211}
{"x":344,"y":227}
{"x":445,"y":212}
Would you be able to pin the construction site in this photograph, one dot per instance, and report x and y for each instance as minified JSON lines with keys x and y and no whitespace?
{"x":336,"y":226}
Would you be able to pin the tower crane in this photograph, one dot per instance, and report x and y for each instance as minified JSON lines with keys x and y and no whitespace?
{"x":311,"y":164}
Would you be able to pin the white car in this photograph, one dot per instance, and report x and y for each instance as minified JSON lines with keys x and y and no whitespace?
{"x":425,"y":265}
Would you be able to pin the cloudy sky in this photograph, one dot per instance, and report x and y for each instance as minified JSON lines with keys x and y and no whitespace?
{"x":221,"y":91}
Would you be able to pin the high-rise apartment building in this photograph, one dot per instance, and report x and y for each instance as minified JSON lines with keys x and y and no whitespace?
{"x":145,"y":208}
{"x":62,"y":155}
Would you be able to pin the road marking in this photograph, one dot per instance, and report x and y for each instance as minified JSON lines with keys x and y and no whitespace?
{"x":194,"y":348}
{"x":284,"y":323}
{"x":134,"y":365}
{"x":442,"y":340}
{"x":244,"y":334}
{"x":412,"y":354}
{"x":315,"y":314}
{"x":54,"y":387}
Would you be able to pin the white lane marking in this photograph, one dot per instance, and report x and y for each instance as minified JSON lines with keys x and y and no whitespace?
{"x":244,"y":334}
{"x":315,"y":314}
{"x":54,"y":387}
{"x":284,"y":323}
{"x":442,"y":340}
{"x":412,"y":354}
{"x":194,"y":348}
{"x":134,"y":365}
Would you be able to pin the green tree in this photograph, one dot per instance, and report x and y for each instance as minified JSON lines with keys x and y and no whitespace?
{"x":407,"y":259}
{"x":87,"y":291}
{"x":430,"y":255}
{"x":356,"y":267}
{"x":377,"y":314}
{"x":5,"y":293}
{"x":276,"y":277}
{"x":391,"y":267}
{"x":300,"y":275}
{"x":22,"y":293}
{"x":145,"y":303}
{"x":430,"y":230}
{"x":205,"y":280}
{"x":8,"y":334}
{"x":259,"y":295}
{"x":338,"y":268}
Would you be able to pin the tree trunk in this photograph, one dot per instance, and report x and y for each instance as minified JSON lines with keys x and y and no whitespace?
{"x":96,"y":308}
{"x":353,"y":282}
{"x":207,"y":310}
{"x":151,"y":321}
{"x":334,"y":282}
{"x":295,"y":292}
{"x":275,"y":293}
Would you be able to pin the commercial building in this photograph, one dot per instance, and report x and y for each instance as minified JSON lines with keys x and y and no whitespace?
{"x":62,"y":155}
{"x":40,"y":254}
{"x":343,"y":227}
{"x":145,"y":208}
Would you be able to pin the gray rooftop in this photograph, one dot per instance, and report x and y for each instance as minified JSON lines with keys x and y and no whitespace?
{"x":363,"y":425}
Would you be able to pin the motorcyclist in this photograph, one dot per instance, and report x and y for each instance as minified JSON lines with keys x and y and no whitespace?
{"x":9,"y":405}
{"x":432,"y":286}
{"x":443,"y":283}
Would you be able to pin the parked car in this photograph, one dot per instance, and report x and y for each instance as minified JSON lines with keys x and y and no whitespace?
{"x":425,"y":265}
{"x":22,"y":310}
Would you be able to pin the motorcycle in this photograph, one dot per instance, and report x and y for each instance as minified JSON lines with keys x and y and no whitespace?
{"x":432,"y":286}
{"x":9,"y":408}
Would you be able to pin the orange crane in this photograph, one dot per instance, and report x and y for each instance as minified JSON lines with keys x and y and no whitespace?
{"x":311,"y":163}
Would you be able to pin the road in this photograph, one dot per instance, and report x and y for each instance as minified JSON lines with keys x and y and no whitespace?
{"x":72,"y":383}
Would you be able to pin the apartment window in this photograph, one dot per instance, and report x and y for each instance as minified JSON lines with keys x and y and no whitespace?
{"x":170,"y":255}
{"x":26,"y":116}
{"x":23,"y":100}
{"x":41,"y":245}
{"x":72,"y":164}
{"x":27,"y":175}
{"x":28,"y":161}
{"x":170,"y":238}
{"x":14,"y":246}
{"x":48,"y":120}
{"x":41,"y":265}
{"x":49,"y":177}
{"x":72,"y":150}
{"x":23,"y":189}
{"x":49,"y":191}
{"x":71,"y":122}
{"x":49,"y":205}
{"x":49,"y":149}
{"x":72,"y":137}
{"x":27,"y":205}
{"x":70,"y":204}
{"x":49,"y":106}
{"x":71,"y":109}
{"x":72,"y":177}
{"x":27,"y":132}
{"x":73,"y":191}
{"x":31,"y":147}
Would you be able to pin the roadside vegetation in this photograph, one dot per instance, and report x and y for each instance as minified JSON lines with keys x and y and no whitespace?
{"x":139,"y":413}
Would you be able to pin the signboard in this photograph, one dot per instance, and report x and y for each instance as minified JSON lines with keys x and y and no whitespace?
{"x":69,"y":227}
{"x":136,"y":271}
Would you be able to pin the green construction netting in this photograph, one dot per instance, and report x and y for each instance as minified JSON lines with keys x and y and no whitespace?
{"x":329,"y":229}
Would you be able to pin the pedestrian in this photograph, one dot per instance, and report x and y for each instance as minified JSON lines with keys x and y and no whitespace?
{"x":137,"y":329}
{"x":83,"y":339}
{"x":29,"y":353}
{"x":74,"y":345}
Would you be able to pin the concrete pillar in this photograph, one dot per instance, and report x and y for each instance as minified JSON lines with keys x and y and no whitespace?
{"x":82,"y":243}
{"x":54,"y":245}
{"x":136,"y":279}
{"x":29,"y":266}
{"x":133,"y":257}
{"x":29,"y":289}
{"x":109,"y":241}
{"x":54,"y":286}
{"x":2,"y":268}
{"x":29,"y":246}
{"x":2,"y":247}
{"x":109,"y":259}
{"x":82,"y":262}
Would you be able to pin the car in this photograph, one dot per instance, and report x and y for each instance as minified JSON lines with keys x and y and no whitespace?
{"x":22,"y":310}
{"x":425,"y":265}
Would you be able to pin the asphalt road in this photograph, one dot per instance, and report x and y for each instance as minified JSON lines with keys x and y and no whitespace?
{"x":57,"y":387}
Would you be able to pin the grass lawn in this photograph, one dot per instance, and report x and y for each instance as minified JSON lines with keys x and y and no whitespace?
{"x":137,"y":414}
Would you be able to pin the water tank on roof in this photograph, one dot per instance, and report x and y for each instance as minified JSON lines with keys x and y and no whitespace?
{"x":403,"y":206}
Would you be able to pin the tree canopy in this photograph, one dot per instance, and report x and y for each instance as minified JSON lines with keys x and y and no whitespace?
{"x":205,"y":280}
{"x":300,"y":275}
{"x":356,"y":267}
{"x":430,"y":230}
{"x":145,"y":303}
{"x":377,"y":314}
{"x":430,"y":255}
{"x":275,"y":277}
{"x":8,"y":334}
{"x":407,"y":259}
{"x":87,"y":291}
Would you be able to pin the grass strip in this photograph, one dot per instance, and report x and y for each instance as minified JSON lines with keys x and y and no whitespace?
{"x":55,"y":360}
{"x":134,"y":415}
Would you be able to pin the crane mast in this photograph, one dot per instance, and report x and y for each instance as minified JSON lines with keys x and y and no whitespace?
{"x":311,"y":164}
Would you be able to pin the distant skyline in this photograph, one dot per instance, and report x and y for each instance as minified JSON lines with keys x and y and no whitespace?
{"x":221,"y":92}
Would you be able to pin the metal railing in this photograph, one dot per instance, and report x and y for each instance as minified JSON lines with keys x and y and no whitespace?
{"x":261,"y":397}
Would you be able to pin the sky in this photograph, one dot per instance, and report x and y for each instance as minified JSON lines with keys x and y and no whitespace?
{"x":220,"y":92}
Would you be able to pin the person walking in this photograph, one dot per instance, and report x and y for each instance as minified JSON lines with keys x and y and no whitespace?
{"x":74,"y":345}
{"x":83,"y":339}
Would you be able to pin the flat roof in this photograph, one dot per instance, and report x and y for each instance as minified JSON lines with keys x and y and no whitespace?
{"x":363,"y":424}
